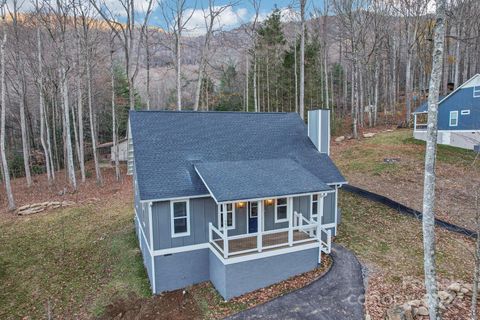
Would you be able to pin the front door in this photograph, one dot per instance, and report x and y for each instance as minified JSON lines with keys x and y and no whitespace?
{"x":252,"y":217}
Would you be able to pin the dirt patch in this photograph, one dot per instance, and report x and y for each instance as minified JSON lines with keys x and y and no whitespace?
{"x":202,"y":301}
{"x":178,"y":305}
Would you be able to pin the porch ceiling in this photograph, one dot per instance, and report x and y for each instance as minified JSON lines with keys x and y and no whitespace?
{"x":230,"y":181}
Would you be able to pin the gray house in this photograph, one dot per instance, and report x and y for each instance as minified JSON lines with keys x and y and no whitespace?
{"x":244,"y":200}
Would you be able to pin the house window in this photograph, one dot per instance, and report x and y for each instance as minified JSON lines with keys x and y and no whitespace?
{"x":229,"y":210}
{"x":476,"y":92}
{"x":144,"y":214}
{"x":315,"y":206}
{"x":453,"y":118}
{"x":180,"y":218}
{"x":465,"y":112}
{"x":253,"y":209}
{"x":281,"y":210}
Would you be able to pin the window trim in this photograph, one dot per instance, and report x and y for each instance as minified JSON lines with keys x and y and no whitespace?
{"x":314,"y":215}
{"x":465,"y":112}
{"x":276,"y":210}
{"x":450,"y":119}
{"x":476,"y":91}
{"x":220,"y":218}
{"x":250,"y":209}
{"x":172,"y":219}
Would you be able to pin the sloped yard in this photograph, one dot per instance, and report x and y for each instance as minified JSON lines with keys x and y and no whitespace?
{"x":390,"y":246}
{"x":392,"y":164}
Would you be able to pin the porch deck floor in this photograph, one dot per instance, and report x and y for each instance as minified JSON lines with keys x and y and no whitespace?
{"x":280,"y":239}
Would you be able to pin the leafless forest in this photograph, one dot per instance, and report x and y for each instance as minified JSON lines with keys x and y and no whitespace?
{"x":71,"y":70}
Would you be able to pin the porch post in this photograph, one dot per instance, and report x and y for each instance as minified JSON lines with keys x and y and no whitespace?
{"x":290,"y":217}
{"x":321,"y":197}
{"x":260,"y":225}
{"x":415,"y":122}
{"x":225,"y":231}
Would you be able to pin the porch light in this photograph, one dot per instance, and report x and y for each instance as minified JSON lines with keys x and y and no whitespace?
{"x":269,"y":202}
{"x":240,"y":205}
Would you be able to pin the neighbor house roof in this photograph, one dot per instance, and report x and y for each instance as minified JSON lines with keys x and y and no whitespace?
{"x":423,"y":108}
{"x":257,"y":179}
{"x":167,"y":145}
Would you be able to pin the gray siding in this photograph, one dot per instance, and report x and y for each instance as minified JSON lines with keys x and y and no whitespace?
{"x":147,"y":258}
{"x":175,"y":271}
{"x":204,"y":210}
{"x":318,"y":128}
{"x":236,"y":279}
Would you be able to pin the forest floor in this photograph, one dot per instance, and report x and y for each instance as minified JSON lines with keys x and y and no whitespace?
{"x":392,"y":164}
{"x":83,"y":261}
{"x":390,"y":246}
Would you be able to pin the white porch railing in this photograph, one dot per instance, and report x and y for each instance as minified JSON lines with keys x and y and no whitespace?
{"x":301,"y":232}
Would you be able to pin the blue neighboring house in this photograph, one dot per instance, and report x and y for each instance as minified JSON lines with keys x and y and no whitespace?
{"x":458,"y":116}
{"x":243,"y":200}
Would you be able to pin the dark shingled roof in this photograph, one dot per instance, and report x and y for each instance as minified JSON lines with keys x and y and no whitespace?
{"x":167,"y":145}
{"x":423,"y":108}
{"x":254,"y":179}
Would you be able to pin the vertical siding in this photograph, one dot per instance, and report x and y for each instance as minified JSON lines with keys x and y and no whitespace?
{"x":202,"y":211}
{"x":147,"y":258}
{"x":329,"y":208}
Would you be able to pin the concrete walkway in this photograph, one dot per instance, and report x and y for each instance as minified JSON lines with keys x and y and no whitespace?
{"x":339,"y":295}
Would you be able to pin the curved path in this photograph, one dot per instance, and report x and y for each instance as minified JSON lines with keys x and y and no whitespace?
{"x":339,"y":295}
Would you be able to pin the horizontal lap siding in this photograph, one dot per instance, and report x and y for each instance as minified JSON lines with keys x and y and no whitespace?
{"x":462,"y":100}
{"x":329,"y":209}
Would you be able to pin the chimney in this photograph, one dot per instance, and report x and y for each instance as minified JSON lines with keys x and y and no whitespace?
{"x":319,"y":129}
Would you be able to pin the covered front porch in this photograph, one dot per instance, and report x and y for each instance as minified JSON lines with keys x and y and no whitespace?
{"x":263,"y":193}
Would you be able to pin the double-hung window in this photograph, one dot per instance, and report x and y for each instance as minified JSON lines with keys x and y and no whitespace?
{"x":476,"y":92}
{"x":315,"y":205}
{"x":281,"y":206}
{"x":180,"y":218}
{"x":453,"y":118}
{"x":229,"y":210}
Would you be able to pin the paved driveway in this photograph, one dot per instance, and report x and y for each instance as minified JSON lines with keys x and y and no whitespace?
{"x":338,"y":295}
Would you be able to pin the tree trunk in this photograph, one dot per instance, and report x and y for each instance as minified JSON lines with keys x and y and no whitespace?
{"x":68,"y":140}
{"x":296,"y":76}
{"x":476,"y":274}
{"x":178,"y":65}
{"x":98,"y":172}
{"x":114,"y":118}
{"x":81,"y":143}
{"x":42,"y":109}
{"x":429,"y":182}
{"x":3,"y":155}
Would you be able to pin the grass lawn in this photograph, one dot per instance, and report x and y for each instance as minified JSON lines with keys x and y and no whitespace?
{"x":69,"y":262}
{"x":391,"y":247}
{"x":362,"y":163}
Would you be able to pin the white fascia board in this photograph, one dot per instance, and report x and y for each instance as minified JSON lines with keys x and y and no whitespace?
{"x":175,"y":198}
{"x":276,"y":197}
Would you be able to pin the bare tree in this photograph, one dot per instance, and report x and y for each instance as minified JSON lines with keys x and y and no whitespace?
{"x":176,"y":16}
{"x":6,"y":173}
{"x":114,"y":112}
{"x":22,"y":88}
{"x":430,"y":155}
{"x":210,"y":15}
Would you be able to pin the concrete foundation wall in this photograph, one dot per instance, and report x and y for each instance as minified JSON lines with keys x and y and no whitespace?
{"x":465,"y":140}
{"x":179,"y":270}
{"x":235,"y":279}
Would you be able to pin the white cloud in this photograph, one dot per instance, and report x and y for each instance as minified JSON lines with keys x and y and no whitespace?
{"x":288,"y":14}
{"x":229,"y":18}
